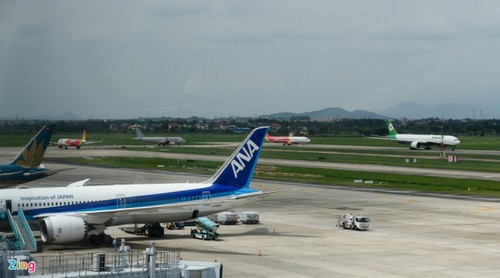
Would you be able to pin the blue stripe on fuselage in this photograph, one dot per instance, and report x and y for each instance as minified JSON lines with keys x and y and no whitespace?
{"x":140,"y":201}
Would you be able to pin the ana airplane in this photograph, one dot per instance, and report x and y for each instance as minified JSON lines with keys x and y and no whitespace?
{"x":159,"y":140}
{"x":78,"y":143}
{"x":288,"y":140}
{"x":26,"y":165}
{"x":70,"y":214}
{"x":418,"y":140}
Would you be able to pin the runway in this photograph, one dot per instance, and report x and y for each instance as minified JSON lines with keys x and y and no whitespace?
{"x":9,"y":153}
{"x":410,"y":236}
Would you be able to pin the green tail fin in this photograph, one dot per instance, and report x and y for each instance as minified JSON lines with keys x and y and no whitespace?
{"x":390,"y":128}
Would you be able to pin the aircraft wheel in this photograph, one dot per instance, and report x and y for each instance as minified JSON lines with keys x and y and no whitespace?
{"x":94,"y":239}
{"x":107,"y":239}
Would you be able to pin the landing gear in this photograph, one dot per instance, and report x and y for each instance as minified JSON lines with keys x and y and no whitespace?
{"x":152,"y":230}
{"x":100,"y":238}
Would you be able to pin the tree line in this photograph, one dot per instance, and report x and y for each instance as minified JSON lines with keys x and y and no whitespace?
{"x":302,"y":126}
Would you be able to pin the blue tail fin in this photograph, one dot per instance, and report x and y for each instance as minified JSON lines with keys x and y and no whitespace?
{"x":238,"y":169}
{"x":33,"y":152}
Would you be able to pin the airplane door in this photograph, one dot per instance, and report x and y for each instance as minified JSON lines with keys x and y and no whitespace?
{"x":4,"y":206}
{"x":120,"y":201}
{"x":206,"y":196}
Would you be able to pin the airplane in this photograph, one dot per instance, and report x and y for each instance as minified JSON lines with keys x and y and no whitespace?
{"x":78,"y":143}
{"x":418,"y":140}
{"x":77,"y":212}
{"x":288,"y":140}
{"x":159,"y":140}
{"x":26,"y":165}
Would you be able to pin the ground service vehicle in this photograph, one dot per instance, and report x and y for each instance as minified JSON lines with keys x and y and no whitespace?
{"x":358,"y":222}
{"x":249,"y":217}
{"x":227,"y":218}
{"x":205,"y":229}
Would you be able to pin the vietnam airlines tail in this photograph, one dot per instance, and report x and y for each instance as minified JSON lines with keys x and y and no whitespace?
{"x":26,"y":165}
{"x":73,"y":213}
{"x":416,"y":141}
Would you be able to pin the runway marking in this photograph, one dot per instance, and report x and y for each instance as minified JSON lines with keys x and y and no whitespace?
{"x":485,"y":209}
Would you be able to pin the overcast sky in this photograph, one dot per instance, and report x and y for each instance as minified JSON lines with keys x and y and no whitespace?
{"x":125,"y":59}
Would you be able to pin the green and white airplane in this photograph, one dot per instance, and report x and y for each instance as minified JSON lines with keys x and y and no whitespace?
{"x":416,"y":141}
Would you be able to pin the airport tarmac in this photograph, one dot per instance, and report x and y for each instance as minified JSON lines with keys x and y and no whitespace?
{"x":410,"y":236}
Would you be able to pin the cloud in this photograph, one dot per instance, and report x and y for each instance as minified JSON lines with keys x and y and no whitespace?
{"x":206,"y":58}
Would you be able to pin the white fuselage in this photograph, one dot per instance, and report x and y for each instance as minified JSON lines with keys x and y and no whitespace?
{"x":120,"y":204}
{"x":447,"y":140}
{"x":162,"y":140}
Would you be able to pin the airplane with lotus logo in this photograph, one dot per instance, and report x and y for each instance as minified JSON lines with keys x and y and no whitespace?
{"x":26,"y":165}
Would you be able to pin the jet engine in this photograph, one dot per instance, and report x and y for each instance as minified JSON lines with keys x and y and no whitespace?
{"x":63,"y":229}
{"x":415,"y":145}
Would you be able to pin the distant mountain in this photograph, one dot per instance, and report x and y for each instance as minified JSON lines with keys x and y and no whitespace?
{"x":327,"y":114}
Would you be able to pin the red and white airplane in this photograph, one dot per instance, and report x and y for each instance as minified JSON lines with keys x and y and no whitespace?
{"x":288,"y":140}
{"x":71,"y":142}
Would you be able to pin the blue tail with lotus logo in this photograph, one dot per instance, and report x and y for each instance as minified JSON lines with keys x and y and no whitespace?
{"x":238,"y":169}
{"x":32,"y":154}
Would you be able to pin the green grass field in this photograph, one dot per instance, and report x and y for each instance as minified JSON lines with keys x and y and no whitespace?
{"x":467,"y":142}
{"x":314,"y":176}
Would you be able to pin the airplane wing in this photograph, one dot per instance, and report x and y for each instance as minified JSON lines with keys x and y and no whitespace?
{"x":10,"y":174}
{"x":259,"y":194}
{"x":383,"y":138}
{"x":92,"y":142}
{"x":103,"y":216}
{"x":47,"y":172}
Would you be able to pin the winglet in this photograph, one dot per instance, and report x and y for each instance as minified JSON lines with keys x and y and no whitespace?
{"x":238,"y":169}
{"x":78,"y":183}
{"x":32,"y":154}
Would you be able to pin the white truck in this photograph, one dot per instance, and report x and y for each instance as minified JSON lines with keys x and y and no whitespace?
{"x":249,"y":217}
{"x":354,"y":222}
{"x":227,"y":218}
